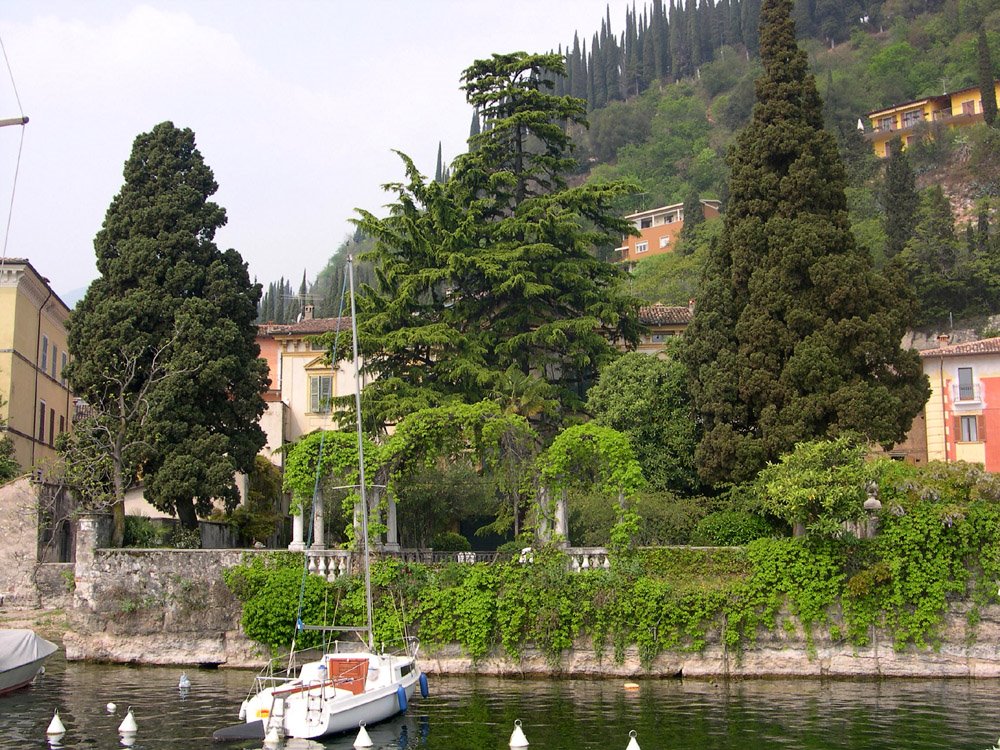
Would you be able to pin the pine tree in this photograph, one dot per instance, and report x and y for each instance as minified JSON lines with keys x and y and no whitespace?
{"x":900,"y":200}
{"x":163,"y":341}
{"x":795,"y":335}
{"x":934,"y":264}
{"x":694,"y":215}
{"x":987,"y":89}
{"x":488,"y":287}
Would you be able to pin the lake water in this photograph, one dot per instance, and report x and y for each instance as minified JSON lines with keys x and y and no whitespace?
{"x":478,"y":714}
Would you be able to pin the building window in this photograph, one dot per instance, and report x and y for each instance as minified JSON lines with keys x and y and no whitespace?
{"x":969,"y":428}
{"x":664,"y":241}
{"x":966,"y":388}
{"x":52,"y":427}
{"x":641,"y":247}
{"x":62,"y":424}
{"x":646,"y":223}
{"x":912,"y":118}
{"x":55,"y":358}
{"x":41,"y":421}
{"x":320,"y":393}
{"x":45,"y":353}
{"x":968,"y":108}
{"x":885,"y":124}
{"x":62,"y":370}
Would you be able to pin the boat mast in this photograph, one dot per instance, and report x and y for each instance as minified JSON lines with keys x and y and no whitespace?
{"x":361,"y":460}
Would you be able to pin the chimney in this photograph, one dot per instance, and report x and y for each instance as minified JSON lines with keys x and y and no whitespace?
{"x":307,"y":312}
{"x":943,"y":340}
{"x":691,"y":305}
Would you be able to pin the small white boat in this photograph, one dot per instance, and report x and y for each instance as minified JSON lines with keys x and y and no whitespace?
{"x":341,"y":690}
{"x":22,"y":655}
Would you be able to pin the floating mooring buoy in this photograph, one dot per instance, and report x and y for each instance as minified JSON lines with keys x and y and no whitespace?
{"x":128,"y":725}
{"x":363,"y":740}
{"x":56,"y":726}
{"x":632,"y":743}
{"x":517,"y":738}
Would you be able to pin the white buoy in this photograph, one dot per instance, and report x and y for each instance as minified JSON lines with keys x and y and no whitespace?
{"x":184,"y":683}
{"x":363,"y":740}
{"x":632,"y":744}
{"x":55,"y":726}
{"x":128,"y":724}
{"x":273,"y":737}
{"x":111,"y":708}
{"x":517,"y":738}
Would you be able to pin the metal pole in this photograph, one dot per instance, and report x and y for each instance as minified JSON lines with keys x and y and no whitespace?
{"x":361,"y":458}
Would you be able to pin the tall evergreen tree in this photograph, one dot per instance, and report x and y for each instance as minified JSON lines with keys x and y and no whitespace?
{"x":795,"y":335}
{"x":987,"y":89}
{"x":488,"y":286}
{"x":694,"y":215}
{"x":170,"y":321}
{"x":934,"y":262}
{"x":900,"y":200}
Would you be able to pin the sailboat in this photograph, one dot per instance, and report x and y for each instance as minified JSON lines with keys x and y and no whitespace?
{"x":345,"y":688}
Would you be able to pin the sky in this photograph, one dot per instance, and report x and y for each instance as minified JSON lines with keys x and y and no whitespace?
{"x":297,"y":106}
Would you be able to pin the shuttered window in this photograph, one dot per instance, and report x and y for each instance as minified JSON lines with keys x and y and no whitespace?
{"x":320,"y":393}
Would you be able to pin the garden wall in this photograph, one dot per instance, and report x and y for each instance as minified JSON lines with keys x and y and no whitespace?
{"x":172,"y":607}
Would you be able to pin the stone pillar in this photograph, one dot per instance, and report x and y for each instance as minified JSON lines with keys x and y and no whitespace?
{"x":298,"y":544}
{"x":93,"y":532}
{"x":544,"y":532}
{"x":562,"y":519}
{"x":392,"y":532}
{"x":319,"y":541}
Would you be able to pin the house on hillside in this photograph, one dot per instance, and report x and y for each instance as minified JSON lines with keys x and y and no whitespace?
{"x":38,"y":404}
{"x":659,"y":229}
{"x":664,"y":322}
{"x":955,"y":110}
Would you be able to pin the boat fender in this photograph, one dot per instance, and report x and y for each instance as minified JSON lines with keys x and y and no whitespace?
{"x":401,"y":697}
{"x":423,"y":685}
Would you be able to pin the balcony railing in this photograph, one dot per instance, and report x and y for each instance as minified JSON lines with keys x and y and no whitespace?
{"x":969,"y":393}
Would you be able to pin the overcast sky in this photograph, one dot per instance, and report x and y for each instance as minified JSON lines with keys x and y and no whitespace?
{"x":296,"y":105}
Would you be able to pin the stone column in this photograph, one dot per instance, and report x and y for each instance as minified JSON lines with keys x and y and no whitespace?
{"x":93,"y":532}
{"x":544,"y":532}
{"x":562,"y":519}
{"x":318,"y":537}
{"x":392,"y":532}
{"x":298,"y":544}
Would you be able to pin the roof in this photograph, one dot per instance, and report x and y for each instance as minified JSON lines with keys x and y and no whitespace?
{"x":664,"y":315}
{"x":983,"y":346}
{"x":930,"y":98}
{"x":712,"y":202}
{"x":305,"y":327}
{"x":7,"y":261}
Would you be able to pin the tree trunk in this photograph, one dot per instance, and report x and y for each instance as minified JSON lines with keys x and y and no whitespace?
{"x":118,"y":523}
{"x":186,"y":514}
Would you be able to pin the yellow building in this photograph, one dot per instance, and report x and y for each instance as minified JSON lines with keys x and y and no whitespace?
{"x":33,"y":354}
{"x":957,"y":109}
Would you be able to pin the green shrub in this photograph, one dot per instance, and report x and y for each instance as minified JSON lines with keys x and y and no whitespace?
{"x":730,"y":528}
{"x":141,"y":532}
{"x":449,"y":541}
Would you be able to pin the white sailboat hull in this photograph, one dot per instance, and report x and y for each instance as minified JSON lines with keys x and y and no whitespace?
{"x":311,"y":708}
{"x":22,"y":654}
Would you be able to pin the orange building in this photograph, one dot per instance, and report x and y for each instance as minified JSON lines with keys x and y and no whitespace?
{"x":659,"y":229}
{"x":957,"y":109}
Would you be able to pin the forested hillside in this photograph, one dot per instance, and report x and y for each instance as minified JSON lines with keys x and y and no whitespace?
{"x":666,"y":94}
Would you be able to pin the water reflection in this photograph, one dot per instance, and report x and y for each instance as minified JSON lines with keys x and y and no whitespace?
{"x":479,"y":714}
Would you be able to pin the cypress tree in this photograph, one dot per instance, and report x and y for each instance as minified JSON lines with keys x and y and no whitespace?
{"x":474,"y":128}
{"x":899,"y":199}
{"x":987,"y":90}
{"x":439,"y":169}
{"x":795,"y":335}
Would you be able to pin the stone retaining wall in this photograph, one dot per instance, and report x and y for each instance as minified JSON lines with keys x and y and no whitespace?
{"x":172,"y":607}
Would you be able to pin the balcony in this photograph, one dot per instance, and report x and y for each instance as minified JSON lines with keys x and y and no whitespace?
{"x":968,"y":394}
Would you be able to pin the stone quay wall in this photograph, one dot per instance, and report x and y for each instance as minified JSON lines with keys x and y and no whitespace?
{"x":173,"y":607}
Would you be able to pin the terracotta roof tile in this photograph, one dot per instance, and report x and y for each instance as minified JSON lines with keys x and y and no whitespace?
{"x":983,"y":346}
{"x":308,"y":327}
{"x":652,"y":315}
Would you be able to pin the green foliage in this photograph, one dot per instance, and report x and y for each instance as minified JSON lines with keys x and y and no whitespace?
{"x":819,"y":484}
{"x":647,"y":399}
{"x":488,"y":284}
{"x":9,"y":468}
{"x":795,"y":335}
{"x":726,"y":528}
{"x":939,"y":543}
{"x":449,"y":541}
{"x":591,"y":456}
{"x":141,"y":532}
{"x":163,"y":341}
{"x":434,"y":498}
